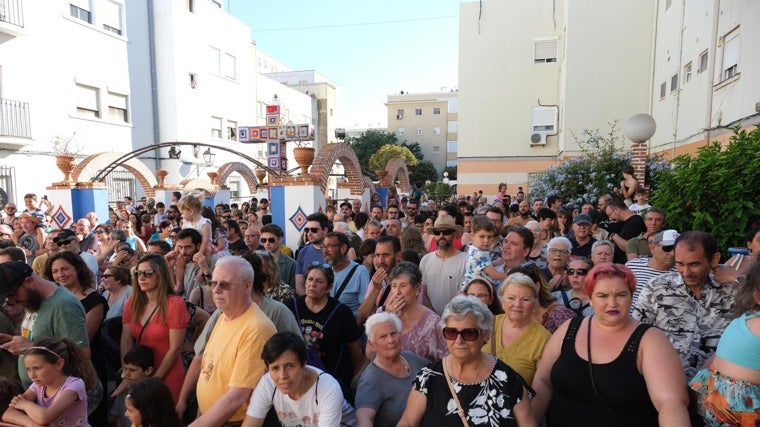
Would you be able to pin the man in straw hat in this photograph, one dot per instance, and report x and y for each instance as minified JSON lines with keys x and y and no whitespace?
{"x":442,"y":270}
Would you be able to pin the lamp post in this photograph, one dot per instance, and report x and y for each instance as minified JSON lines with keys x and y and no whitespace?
{"x":208,"y":160}
{"x":446,"y":177}
{"x":639,"y":128}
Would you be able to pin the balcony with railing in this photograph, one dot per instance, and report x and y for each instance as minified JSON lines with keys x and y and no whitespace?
{"x":11,"y":17}
{"x":14,"y":120}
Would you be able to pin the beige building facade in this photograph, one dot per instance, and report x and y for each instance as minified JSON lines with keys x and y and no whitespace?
{"x":430,"y":119}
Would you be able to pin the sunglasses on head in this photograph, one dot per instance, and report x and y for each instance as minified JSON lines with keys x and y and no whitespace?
{"x":268,"y":239}
{"x":668,"y":248}
{"x":314,"y":230}
{"x":468,"y":334}
{"x":320,"y":264}
{"x":445,"y":232}
{"x":63,"y":242}
{"x":578,"y":271}
{"x":145,"y":273}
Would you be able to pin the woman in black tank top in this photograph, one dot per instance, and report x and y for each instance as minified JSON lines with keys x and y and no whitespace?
{"x":609,"y":370}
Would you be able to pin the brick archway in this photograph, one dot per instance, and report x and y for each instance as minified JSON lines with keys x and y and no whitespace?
{"x":367,"y":181}
{"x":91,"y":165}
{"x":228,"y":168}
{"x":396,"y":168}
{"x":326,"y":158}
{"x":188,"y":185}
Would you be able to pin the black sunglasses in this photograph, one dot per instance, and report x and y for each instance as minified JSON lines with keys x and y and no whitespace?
{"x":446,"y":232}
{"x":145,"y":273}
{"x":579,"y":271}
{"x":268,"y":239}
{"x":64,"y":242}
{"x":468,"y":334}
{"x":314,"y":230}
{"x":668,"y":248}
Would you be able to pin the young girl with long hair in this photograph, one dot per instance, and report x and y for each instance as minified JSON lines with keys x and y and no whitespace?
{"x":149,"y":404}
{"x":58,"y":395}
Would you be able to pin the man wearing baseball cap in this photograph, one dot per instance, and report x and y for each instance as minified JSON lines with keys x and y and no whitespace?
{"x":51,"y":311}
{"x":582,"y":240}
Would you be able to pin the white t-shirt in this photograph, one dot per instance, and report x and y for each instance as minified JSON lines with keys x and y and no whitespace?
{"x":322,"y":406}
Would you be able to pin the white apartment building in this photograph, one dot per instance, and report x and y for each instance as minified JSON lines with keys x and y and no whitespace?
{"x":706,"y":74}
{"x":64,"y":72}
{"x":535,"y":73}
{"x":122,"y":76}
{"x":429,"y":119}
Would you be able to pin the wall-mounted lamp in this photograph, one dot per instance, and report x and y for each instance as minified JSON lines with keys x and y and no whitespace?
{"x":208,"y":156}
{"x":174,"y":152}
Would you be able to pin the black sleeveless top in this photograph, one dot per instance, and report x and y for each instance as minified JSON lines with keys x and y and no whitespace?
{"x":619,"y":383}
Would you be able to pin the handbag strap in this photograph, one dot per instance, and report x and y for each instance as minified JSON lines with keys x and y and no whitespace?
{"x":145,"y":325}
{"x":345,"y":281}
{"x":460,"y":411}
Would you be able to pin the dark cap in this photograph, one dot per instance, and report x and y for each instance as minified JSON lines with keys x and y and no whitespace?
{"x":404,"y":199}
{"x":583,"y":219}
{"x":64,"y":235}
{"x":12,"y":275}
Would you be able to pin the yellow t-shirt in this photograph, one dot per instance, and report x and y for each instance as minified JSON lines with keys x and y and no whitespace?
{"x":523,"y":354}
{"x":232,"y":358}
{"x":286,"y":250}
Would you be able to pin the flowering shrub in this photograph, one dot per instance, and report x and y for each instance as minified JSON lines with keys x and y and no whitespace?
{"x":717,"y":191}
{"x":597,"y":171}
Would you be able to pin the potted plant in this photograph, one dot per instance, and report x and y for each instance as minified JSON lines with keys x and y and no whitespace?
{"x":304,"y":154}
{"x":66,"y":149}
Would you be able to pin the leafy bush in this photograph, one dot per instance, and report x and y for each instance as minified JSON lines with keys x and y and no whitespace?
{"x":717,"y":191}
{"x":585,"y":178}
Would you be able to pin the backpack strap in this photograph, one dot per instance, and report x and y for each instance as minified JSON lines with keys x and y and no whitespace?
{"x":345,"y":281}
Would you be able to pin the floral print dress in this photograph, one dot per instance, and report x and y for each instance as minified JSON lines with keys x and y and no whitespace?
{"x":487,"y":403}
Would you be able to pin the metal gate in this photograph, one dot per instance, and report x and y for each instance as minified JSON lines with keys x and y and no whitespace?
{"x":7,"y":185}
{"x":120,"y":183}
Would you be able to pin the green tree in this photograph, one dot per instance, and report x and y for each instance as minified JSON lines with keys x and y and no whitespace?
{"x":415,"y":148}
{"x":384,"y":155}
{"x":369,"y":143}
{"x":438,"y":191}
{"x":717,"y":191}
{"x":423,"y":171}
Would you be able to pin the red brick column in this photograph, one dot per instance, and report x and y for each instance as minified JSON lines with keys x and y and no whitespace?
{"x":639,"y":162}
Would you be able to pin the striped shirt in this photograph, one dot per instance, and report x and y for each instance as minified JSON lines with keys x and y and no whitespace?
{"x":644,"y":273}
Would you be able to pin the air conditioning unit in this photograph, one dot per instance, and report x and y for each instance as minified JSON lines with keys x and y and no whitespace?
{"x":538,"y":138}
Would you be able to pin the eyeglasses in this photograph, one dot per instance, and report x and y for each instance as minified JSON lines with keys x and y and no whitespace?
{"x":578,"y":271}
{"x":145,"y":273}
{"x":268,"y":239}
{"x":225,"y":286}
{"x":558,"y":251}
{"x":105,"y":276}
{"x":100,"y":231}
{"x":64,"y":242}
{"x":10,"y":209}
{"x":320,"y":264}
{"x":468,"y":334}
{"x":314,"y":230}
{"x":226,"y":217}
{"x":445,"y":232}
{"x":667,"y":248}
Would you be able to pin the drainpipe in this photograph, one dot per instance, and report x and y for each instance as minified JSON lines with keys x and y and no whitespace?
{"x":153,"y":82}
{"x":711,"y":70}
{"x":679,"y":72}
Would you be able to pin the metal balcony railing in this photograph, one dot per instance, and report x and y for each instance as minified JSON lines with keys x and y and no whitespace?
{"x":12,"y":12}
{"x":14,"y":117}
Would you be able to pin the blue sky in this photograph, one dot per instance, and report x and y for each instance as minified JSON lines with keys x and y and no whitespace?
{"x":412,"y":46}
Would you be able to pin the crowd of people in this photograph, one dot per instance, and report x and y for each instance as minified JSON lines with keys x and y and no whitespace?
{"x":400,"y":312}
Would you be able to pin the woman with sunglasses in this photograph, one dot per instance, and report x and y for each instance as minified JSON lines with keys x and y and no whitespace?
{"x":156,"y":318}
{"x":116,"y":282}
{"x":518,"y":339}
{"x":609,"y":369}
{"x":328,"y":326}
{"x":574,"y":298}
{"x":469,"y":386}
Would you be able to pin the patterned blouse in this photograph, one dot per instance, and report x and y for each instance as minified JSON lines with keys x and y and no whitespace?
{"x":487,"y":403}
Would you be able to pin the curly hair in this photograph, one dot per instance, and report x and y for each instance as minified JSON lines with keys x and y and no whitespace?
{"x":84,"y":275}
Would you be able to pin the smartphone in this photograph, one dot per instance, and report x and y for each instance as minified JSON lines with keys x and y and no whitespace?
{"x":44,"y":197}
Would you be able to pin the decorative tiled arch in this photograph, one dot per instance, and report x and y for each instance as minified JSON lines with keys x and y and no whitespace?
{"x":248,"y":175}
{"x":91,"y":165}
{"x":326,"y":158}
{"x":396,"y":168}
